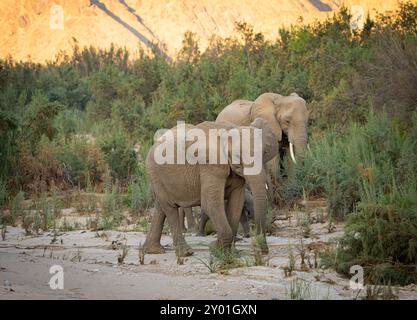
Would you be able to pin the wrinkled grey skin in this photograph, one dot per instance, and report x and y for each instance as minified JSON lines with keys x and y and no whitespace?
{"x":207,"y":185}
{"x":186,"y":213}
{"x":285,"y":114}
{"x":247,"y":215}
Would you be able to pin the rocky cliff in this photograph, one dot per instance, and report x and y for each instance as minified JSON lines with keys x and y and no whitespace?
{"x":39,"y":29}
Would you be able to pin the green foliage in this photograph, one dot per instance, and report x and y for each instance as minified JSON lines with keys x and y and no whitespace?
{"x":221,"y":260}
{"x":118,"y":152}
{"x":300,"y":289}
{"x":139,"y":192}
{"x":369,"y":171}
{"x":38,"y":120}
{"x":112,"y":205}
{"x":82,"y":160}
{"x":120,"y":101}
{"x":3,"y":193}
{"x":16,"y":207}
{"x":356,"y":164}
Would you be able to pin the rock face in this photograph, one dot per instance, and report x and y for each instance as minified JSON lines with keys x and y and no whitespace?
{"x":39,"y":29}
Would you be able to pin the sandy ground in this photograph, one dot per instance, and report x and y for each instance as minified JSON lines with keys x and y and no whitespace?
{"x":91,"y":270}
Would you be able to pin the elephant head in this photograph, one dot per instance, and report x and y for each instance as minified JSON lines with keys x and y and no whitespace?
{"x":285,"y":114}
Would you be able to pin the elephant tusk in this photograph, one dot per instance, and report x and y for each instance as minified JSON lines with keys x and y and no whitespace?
{"x":308,"y":146}
{"x":292,"y":152}
{"x":266,"y":186}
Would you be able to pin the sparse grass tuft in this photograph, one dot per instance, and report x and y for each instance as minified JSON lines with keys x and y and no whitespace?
{"x":142,"y":253}
{"x":221,"y":260}
{"x":16,"y":207}
{"x":124,"y":251}
{"x":289,"y":269}
{"x":300,"y":289}
{"x":376,"y":292}
{"x":258,"y":242}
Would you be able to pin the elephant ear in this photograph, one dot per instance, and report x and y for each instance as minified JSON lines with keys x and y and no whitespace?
{"x":266,"y":108}
{"x":269,"y":139}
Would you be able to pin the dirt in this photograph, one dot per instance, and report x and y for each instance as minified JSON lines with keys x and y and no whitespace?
{"x":91,"y":271}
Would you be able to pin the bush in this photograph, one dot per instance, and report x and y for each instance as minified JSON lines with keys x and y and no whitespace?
{"x":369,"y":172}
{"x":3,"y":193}
{"x":344,"y":164}
{"x":118,"y":152}
{"x":139,"y":191}
{"x":39,"y":171}
{"x":82,"y":161}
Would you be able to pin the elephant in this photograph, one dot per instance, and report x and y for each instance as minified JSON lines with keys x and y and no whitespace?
{"x":186,"y":213}
{"x":208,"y":185}
{"x":288,"y":118}
{"x":246,"y":216}
{"x":287,"y":115}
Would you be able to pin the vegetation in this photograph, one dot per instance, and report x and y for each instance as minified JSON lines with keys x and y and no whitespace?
{"x":85,"y":122}
{"x":300,"y":289}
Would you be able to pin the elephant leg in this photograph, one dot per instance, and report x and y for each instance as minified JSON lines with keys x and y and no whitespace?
{"x":182,"y":249}
{"x":202,"y":224}
{"x":244,"y":221}
{"x":212,"y":202}
{"x":235,"y":203}
{"x":190,"y":218}
{"x":181,"y":214}
{"x":153,"y":238}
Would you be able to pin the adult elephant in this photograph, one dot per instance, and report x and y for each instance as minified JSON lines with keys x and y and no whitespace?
{"x":246,"y":216}
{"x":285,"y":114}
{"x":208,"y":185}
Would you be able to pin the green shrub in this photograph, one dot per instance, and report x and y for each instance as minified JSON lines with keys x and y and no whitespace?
{"x":16,"y":207}
{"x":118,"y":151}
{"x":112,"y":205}
{"x":82,"y":160}
{"x":377,"y":161}
{"x":3,"y":193}
{"x":139,"y":191}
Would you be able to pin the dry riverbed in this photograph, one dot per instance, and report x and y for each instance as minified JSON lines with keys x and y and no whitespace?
{"x":91,"y":269}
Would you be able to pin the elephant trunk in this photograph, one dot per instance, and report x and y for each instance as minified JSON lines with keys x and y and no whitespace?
{"x":298,"y":141}
{"x":258,"y":188}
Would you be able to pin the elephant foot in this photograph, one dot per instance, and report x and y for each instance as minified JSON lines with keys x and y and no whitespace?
{"x":216,"y":247}
{"x":154,"y":249}
{"x":184,"y":251}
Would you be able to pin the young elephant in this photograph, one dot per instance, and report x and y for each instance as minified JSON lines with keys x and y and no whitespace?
{"x":186,"y":213}
{"x":247,"y":215}
{"x":208,"y":184}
